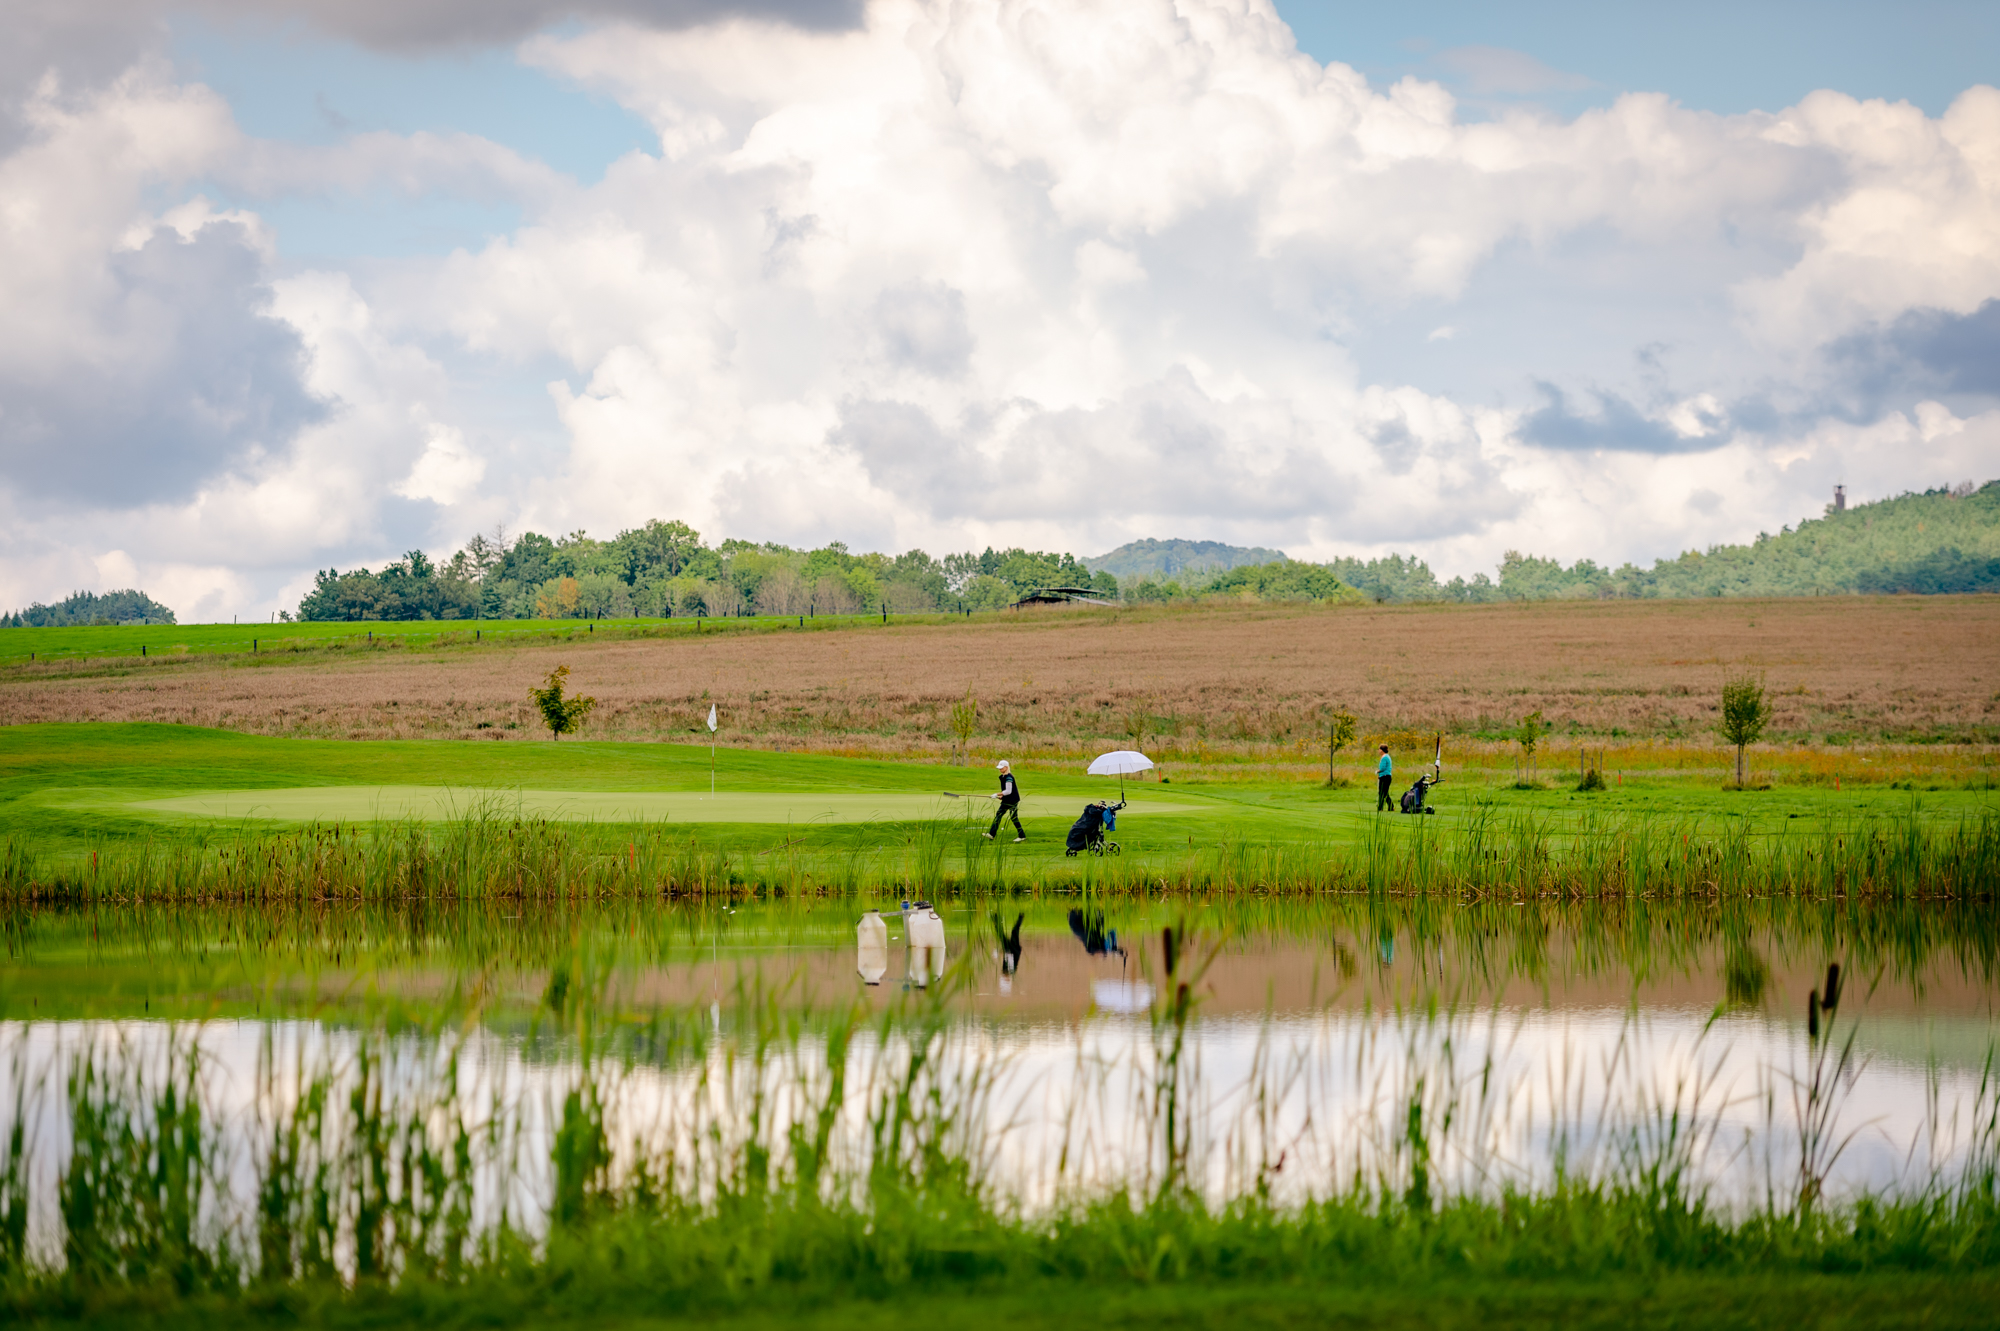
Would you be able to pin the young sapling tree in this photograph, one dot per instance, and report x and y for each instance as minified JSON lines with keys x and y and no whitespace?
{"x":964,"y":719}
{"x":1745,"y":713}
{"x":1530,"y":734}
{"x":562,"y":715}
{"x":1339,"y":734}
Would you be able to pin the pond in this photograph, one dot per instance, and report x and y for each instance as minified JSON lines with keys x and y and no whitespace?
{"x":1062,"y":1046}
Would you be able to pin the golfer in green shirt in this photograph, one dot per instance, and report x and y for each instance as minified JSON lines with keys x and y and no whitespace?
{"x":1382,"y":800}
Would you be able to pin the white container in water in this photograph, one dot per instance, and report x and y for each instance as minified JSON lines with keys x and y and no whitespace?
{"x":924,"y":928}
{"x":871,"y":947}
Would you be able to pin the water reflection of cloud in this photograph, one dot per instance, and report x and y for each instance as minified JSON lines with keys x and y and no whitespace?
{"x":1122,"y":996}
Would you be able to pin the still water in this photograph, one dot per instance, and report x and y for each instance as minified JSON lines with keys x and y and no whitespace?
{"x":1327,"y":1041}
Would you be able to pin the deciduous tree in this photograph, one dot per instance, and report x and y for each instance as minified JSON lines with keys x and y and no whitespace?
{"x":562,"y":715}
{"x":1745,"y":713}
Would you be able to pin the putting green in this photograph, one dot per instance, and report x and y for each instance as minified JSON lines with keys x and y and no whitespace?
{"x":442,"y":803}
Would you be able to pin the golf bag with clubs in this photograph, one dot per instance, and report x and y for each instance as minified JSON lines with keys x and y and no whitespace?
{"x":1087,"y":832}
{"x":1413,"y":798}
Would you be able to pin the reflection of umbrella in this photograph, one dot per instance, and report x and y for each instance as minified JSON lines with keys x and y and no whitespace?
{"x":1118,"y":764}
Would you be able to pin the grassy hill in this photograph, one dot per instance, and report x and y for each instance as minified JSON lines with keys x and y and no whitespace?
{"x":1937,"y":541}
{"x":1933,"y":542}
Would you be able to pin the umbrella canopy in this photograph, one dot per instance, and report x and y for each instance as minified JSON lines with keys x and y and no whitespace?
{"x":1119,"y":764}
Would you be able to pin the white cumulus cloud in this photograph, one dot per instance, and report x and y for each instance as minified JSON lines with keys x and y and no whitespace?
{"x":1064,"y":274}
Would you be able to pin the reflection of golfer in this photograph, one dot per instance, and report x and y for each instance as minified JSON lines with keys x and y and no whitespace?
{"x":1382,"y":800}
{"x":1010,"y":803}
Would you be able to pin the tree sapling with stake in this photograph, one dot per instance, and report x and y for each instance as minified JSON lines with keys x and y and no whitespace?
{"x":1529,"y":735}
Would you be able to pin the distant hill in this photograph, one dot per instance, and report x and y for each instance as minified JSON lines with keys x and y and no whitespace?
{"x":1136,"y":559}
{"x":1944,"y":540}
{"x":126,"y":607}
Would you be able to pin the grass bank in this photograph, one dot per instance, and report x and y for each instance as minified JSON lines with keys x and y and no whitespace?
{"x":1513,"y":855}
{"x":113,"y":645}
{"x":833,"y":1165}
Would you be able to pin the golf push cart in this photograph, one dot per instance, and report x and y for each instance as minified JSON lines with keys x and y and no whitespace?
{"x":1086,"y":834}
{"x":1414,"y":798}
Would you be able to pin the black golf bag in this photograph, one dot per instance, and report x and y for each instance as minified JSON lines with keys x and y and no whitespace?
{"x":1413,"y":798}
{"x":1087,"y":832}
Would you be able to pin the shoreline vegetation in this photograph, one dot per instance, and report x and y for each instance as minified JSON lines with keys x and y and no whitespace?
{"x":681,"y":1168}
{"x":1488,"y":852}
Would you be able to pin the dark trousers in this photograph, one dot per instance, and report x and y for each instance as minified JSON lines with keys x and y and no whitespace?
{"x":1007,"y":809}
{"x":1382,"y":800}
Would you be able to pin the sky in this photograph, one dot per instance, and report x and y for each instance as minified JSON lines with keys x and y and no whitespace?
{"x":306,"y":284}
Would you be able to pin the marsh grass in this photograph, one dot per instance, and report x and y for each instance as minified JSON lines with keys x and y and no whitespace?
{"x":830,"y":1151}
{"x":487,"y":854}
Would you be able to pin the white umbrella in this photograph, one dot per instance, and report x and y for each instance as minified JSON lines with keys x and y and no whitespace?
{"x":1118,"y":764}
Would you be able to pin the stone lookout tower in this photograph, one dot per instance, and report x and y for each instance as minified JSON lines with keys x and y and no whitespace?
{"x":1840,"y":499}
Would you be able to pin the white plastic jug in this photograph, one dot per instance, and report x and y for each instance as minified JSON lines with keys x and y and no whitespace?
{"x":871,"y":947}
{"x":925,"y":930}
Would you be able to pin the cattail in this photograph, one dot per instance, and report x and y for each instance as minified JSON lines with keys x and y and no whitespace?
{"x":1812,"y":1017}
{"x":1832,"y":999}
{"x":1167,"y":946}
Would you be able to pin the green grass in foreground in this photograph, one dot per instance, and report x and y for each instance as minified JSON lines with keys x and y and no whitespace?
{"x":1891,"y":1299}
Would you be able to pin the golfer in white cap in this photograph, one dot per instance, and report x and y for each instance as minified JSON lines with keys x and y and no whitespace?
{"x":1009,"y":796}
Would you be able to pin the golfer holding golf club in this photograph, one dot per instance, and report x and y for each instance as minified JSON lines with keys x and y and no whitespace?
{"x":1382,"y":777}
{"x":1009,"y":796}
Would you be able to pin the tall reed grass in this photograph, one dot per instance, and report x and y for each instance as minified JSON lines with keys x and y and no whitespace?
{"x":847,"y":1152}
{"x":1488,"y":853}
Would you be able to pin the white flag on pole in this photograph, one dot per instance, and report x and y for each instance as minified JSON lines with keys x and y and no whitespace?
{"x":711,"y":718}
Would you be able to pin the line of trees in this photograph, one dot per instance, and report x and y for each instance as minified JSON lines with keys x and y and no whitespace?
{"x":122,"y":607}
{"x":664,"y":569}
{"x":1944,"y":540}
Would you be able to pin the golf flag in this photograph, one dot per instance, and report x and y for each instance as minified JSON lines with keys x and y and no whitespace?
{"x":711,"y":749}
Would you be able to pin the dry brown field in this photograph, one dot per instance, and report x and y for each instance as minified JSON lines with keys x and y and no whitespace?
{"x":1247,"y":684}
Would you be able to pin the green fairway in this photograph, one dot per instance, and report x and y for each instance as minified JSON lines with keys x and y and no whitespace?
{"x":435,"y":803}
{"x":68,"y":790}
